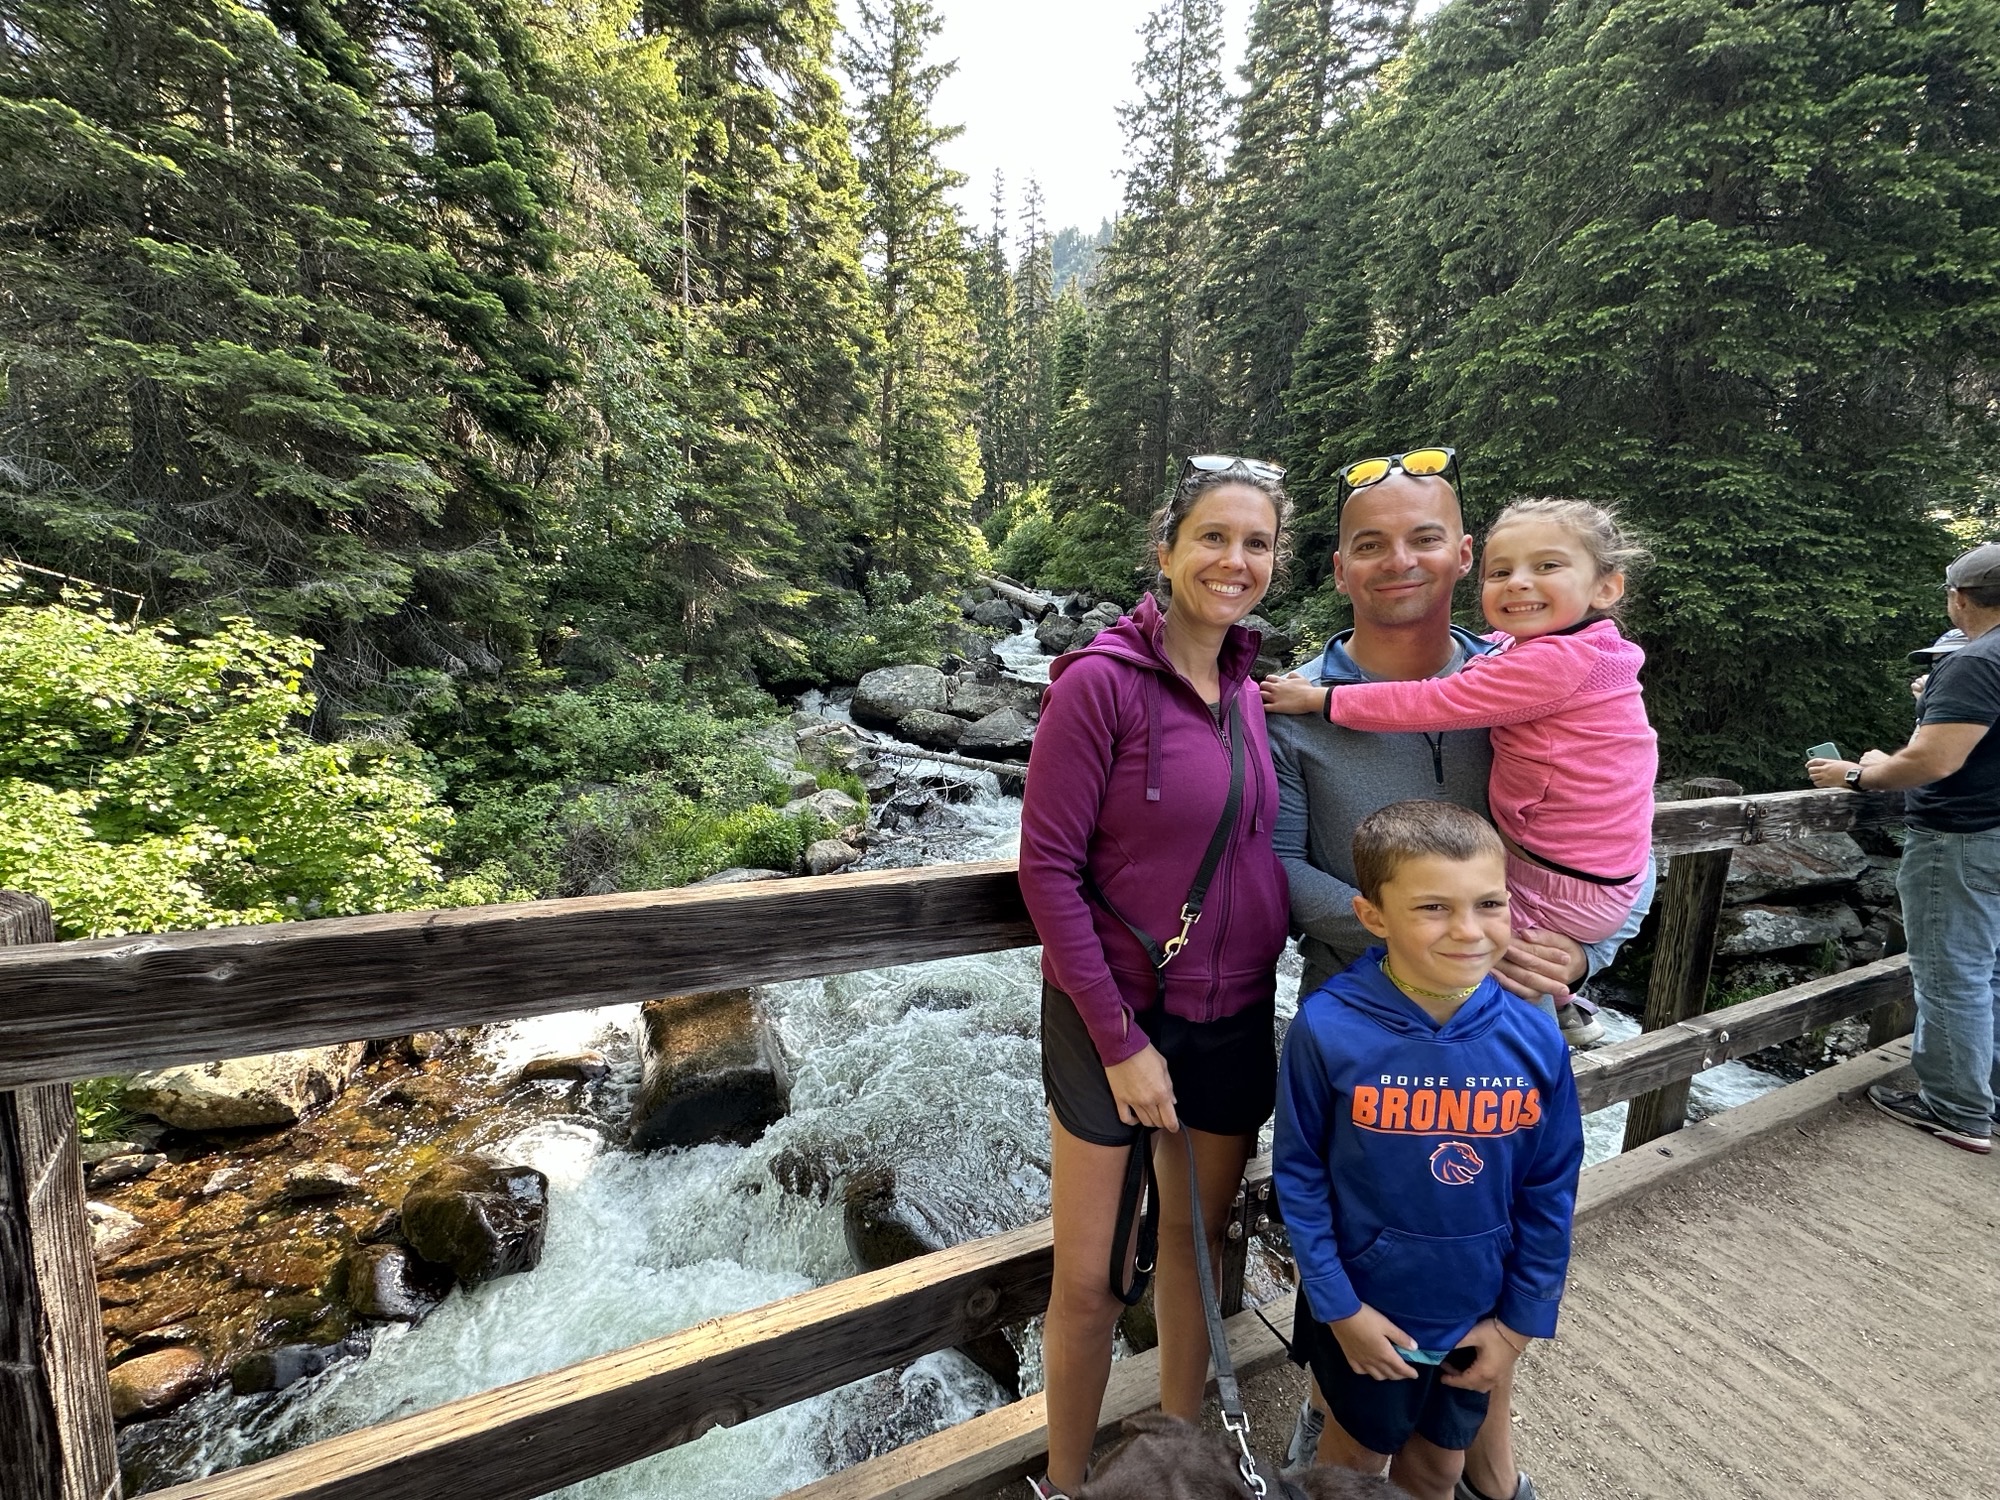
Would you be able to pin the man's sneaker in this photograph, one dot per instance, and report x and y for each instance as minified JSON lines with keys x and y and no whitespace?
{"x":1524,"y":1489}
{"x":1579,"y":1027}
{"x":1041,"y":1489}
{"x":1908,"y":1106}
{"x":1304,"y":1445}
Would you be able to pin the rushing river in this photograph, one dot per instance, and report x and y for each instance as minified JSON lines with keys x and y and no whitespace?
{"x":932,"y":1069}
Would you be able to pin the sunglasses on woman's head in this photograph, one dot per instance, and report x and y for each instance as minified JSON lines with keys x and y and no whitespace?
{"x":1424,"y":463}
{"x":1225,"y":463}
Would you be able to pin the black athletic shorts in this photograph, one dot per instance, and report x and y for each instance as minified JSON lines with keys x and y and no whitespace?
{"x":1380,"y":1415}
{"x":1225,"y":1072}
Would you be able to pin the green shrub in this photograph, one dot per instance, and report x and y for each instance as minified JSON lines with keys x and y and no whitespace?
{"x":100,"y":1109}
{"x":855,"y":638}
{"x":764,"y":838}
{"x":1096,"y":547}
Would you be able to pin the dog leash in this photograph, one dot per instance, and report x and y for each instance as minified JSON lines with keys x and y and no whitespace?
{"x":1235,"y":1421}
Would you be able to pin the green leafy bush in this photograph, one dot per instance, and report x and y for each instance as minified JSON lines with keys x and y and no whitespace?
{"x":151,"y":781}
{"x":857,"y":637}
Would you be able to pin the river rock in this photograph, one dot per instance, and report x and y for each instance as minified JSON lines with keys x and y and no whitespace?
{"x":740,"y":875}
{"x":275,"y":1369}
{"x":1005,"y":734}
{"x":126,"y":1168}
{"x":387,"y":1281}
{"x":225,"y":1180}
{"x":932,"y":730}
{"x":1877,"y":885}
{"x":156,"y":1383}
{"x":974,"y":698}
{"x":712,"y":1072}
{"x":94,"y":1152}
{"x":1275,"y":652}
{"x":777,"y":745}
{"x":1772,"y":929}
{"x":112,"y":1232}
{"x":995,"y":614}
{"x":800,"y":783}
{"x":882,"y":1231}
{"x":568,"y":1067}
{"x":824,"y":856}
{"x":832,"y":804}
{"x":245,"y":1092}
{"x":1760,"y":871}
{"x":320,"y":1179}
{"x":483,"y":1219}
{"x":886,"y":695}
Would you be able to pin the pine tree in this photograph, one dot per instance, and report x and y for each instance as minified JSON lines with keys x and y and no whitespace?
{"x":1034,"y":332}
{"x":990,"y":286}
{"x":927,"y":451}
{"x":1151,"y":395}
{"x":1309,"y":65}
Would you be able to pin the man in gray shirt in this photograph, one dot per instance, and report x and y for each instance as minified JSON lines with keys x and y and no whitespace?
{"x":1402,"y":549}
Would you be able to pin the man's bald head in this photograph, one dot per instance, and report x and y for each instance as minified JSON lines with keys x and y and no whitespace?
{"x":1401,"y":492}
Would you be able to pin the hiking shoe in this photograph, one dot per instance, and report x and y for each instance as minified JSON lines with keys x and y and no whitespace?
{"x":1579,"y":1027}
{"x":1524,"y":1489}
{"x":1300,"y":1451}
{"x":1908,"y":1106}
{"x":1041,"y":1489}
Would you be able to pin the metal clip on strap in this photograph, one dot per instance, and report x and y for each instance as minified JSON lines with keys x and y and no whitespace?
{"x":1235,"y":1420}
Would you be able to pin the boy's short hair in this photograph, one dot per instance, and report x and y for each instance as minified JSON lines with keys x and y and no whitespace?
{"x":1403,"y":831}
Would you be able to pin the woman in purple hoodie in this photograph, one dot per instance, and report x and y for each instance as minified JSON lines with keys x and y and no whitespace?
{"x":1143,"y":733}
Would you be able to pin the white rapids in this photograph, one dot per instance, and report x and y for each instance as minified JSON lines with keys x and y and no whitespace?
{"x":932,"y":1069}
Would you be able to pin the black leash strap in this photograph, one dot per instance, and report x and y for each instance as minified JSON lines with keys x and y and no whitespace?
{"x":1227,"y":1394}
{"x":1139,"y":1180}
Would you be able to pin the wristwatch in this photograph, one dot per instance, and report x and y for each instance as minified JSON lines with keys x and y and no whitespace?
{"x":1853,"y":779}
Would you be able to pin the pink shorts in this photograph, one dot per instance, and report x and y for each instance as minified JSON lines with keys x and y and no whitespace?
{"x":1578,"y":909}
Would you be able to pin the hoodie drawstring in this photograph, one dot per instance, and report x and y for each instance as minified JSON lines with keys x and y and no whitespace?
{"x":1152,"y":737}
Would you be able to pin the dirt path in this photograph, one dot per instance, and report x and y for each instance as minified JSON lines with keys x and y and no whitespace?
{"x":1815,"y":1320}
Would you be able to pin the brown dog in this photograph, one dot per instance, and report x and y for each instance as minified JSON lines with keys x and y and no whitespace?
{"x":1163,"y":1458}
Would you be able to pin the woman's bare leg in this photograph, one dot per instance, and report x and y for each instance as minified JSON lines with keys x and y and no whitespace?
{"x":1085,"y":1182}
{"x":1219,"y":1160}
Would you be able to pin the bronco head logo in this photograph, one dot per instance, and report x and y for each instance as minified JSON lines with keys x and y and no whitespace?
{"x":1455,"y":1164}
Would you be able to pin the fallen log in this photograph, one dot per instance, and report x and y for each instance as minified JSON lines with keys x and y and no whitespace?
{"x":1035,"y":604}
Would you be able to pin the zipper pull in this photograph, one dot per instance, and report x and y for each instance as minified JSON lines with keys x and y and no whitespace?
{"x":1437,"y":756}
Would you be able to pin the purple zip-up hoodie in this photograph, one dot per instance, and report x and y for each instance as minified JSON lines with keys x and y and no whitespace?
{"x":1127,"y":779}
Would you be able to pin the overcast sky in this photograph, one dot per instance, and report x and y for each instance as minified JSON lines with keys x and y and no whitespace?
{"x":1038,"y":87}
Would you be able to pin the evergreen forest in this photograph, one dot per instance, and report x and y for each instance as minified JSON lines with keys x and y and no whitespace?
{"x":436,"y":432}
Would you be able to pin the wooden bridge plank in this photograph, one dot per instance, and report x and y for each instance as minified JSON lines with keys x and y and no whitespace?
{"x":1625,"y":1070}
{"x":113,"y":1005}
{"x":525,"y":1439}
{"x":972,"y":1457}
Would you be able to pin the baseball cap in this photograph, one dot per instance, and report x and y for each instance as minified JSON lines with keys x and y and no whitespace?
{"x":1977,"y":569}
{"x":1944,"y":645}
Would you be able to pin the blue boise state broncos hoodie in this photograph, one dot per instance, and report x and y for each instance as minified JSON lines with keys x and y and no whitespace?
{"x":1428,"y":1171}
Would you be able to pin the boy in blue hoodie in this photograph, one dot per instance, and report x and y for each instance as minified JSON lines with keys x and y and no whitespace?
{"x":1428,"y":1145}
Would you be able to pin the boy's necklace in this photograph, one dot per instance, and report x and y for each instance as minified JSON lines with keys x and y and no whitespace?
{"x":1418,"y":992}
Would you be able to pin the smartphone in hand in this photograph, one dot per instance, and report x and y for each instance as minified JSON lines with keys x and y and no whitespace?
{"x":1827,"y":751}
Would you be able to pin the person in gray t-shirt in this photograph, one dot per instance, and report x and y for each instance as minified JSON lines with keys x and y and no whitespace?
{"x":1402,"y":549}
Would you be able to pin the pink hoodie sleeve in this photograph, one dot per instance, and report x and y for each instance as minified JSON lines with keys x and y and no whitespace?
{"x":1068,"y":771}
{"x":1510,"y":687}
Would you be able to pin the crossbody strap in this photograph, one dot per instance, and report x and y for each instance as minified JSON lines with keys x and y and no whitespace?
{"x":1161,"y":954}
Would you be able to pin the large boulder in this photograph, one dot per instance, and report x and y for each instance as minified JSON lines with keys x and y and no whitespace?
{"x":387,"y":1281}
{"x":245,"y":1092}
{"x":1772,"y":929}
{"x":483,"y":1219}
{"x":995,"y":614}
{"x":931,"y":729}
{"x":156,"y":1383}
{"x":888,"y":694}
{"x":1004,"y":734}
{"x":883,"y":1231}
{"x":1276,"y":651}
{"x":712,"y":1072}
{"x":832,"y":804}
{"x":974,"y":697}
{"x":1758,"y":872}
{"x":824,"y":856}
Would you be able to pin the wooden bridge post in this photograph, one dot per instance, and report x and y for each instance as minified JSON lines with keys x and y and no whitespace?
{"x":1682,"y":956}
{"x":56,"y":1438}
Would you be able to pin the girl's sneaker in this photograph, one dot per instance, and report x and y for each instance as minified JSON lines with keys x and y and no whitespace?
{"x":1041,"y":1489}
{"x":1579,"y":1027}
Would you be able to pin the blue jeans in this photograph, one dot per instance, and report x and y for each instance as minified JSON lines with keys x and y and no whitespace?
{"x":1950,"y":885}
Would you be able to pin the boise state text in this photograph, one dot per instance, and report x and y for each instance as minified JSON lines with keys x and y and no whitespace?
{"x":1428,"y":1171}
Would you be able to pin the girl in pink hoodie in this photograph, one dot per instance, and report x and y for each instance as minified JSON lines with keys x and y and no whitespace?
{"x":1574,"y":759}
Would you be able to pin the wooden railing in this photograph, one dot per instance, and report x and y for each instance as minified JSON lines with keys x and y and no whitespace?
{"x":74,"y":1010}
